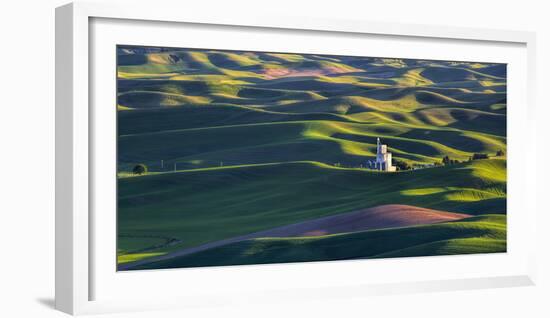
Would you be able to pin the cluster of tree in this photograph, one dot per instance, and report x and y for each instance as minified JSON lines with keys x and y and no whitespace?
{"x":448,"y":161}
{"x":478,"y":156}
{"x":402,"y":165}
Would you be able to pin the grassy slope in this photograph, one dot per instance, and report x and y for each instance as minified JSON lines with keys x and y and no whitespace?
{"x":421,"y":121}
{"x":273,"y":137}
{"x":203,"y":205}
{"x":481,"y":234}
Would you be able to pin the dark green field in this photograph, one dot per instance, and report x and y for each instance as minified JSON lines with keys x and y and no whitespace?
{"x":237,"y":143}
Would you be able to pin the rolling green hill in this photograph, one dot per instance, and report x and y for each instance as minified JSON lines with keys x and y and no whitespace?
{"x":239,"y":142}
{"x":484,"y":234}
{"x":236,"y":200}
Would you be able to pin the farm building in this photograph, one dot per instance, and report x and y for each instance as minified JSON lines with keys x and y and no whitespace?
{"x":383,"y":160}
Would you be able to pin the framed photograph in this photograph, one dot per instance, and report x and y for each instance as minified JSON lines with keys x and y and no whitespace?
{"x":271,"y":158}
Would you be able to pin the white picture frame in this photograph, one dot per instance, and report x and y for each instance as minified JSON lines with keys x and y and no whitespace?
{"x":76,"y":251}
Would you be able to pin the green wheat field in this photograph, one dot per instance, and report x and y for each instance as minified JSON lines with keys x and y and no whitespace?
{"x":233,"y":158}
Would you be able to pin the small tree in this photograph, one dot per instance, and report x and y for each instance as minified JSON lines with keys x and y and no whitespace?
{"x":500,"y":153}
{"x":139,"y":169}
{"x":446,"y":160}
